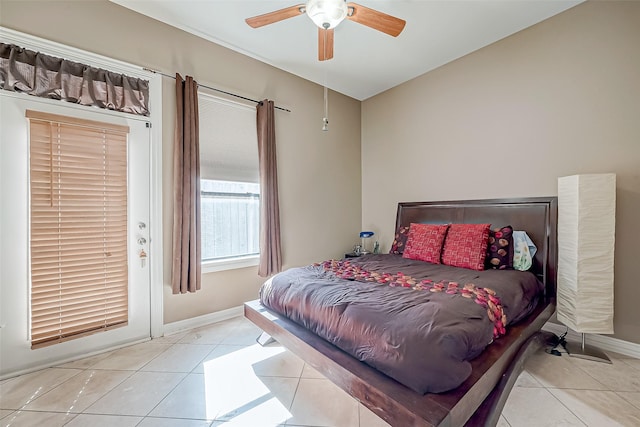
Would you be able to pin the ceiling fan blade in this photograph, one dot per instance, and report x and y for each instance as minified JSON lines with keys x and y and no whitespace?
{"x":375,"y":19}
{"x":325,"y":44}
{"x":276,"y":16}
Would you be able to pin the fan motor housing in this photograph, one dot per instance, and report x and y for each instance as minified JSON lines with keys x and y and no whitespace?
{"x":327,"y":14}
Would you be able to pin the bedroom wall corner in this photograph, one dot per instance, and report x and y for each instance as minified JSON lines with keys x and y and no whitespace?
{"x":556,"y":99}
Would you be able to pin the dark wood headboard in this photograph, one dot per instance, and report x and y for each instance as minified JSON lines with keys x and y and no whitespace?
{"x":538,"y":216}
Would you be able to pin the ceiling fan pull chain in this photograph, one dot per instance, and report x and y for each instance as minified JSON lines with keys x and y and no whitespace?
{"x":325,"y":119}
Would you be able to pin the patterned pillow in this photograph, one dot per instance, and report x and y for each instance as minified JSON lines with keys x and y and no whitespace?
{"x":523,"y":250}
{"x":466,"y":246}
{"x":400,"y":241}
{"x":500,"y":249}
{"x":424,"y":242}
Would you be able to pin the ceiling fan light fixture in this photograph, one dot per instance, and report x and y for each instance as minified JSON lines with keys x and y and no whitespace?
{"x":327,"y":14}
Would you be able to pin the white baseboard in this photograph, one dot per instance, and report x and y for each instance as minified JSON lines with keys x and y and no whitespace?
{"x":601,"y":341}
{"x":206,"y":319}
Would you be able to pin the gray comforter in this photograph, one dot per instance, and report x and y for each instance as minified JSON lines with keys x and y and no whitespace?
{"x":423,"y":338}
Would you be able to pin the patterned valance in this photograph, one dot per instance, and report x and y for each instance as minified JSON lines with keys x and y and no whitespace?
{"x":37,"y":74}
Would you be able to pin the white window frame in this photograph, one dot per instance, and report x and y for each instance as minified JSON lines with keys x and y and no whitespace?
{"x":244,"y":261}
{"x":212,"y":266}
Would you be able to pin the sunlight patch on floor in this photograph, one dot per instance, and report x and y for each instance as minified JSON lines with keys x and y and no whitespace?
{"x":233,"y":391}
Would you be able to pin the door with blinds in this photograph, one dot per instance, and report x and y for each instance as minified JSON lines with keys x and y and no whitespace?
{"x":79,"y":227}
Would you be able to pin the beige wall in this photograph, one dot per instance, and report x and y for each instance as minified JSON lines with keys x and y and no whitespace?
{"x":557,"y":99}
{"x":560,"y":98}
{"x":319,"y":172}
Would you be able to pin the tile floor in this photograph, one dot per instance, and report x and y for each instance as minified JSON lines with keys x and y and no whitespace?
{"x":218,"y":376}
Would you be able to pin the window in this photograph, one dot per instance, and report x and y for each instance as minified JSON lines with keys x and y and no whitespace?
{"x":229,"y":188}
{"x":230,"y":219}
{"x":78,"y":186}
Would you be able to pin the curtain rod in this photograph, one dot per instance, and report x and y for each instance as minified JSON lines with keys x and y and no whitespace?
{"x":216,"y":90}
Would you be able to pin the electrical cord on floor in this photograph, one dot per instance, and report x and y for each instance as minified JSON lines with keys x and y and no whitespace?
{"x":556,"y":341}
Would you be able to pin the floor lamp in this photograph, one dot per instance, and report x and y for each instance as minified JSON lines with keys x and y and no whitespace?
{"x":586,"y":240}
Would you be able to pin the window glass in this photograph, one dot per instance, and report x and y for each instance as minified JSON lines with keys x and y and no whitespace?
{"x":230,"y":219}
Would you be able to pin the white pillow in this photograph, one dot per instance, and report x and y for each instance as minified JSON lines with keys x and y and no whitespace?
{"x":523,"y":251}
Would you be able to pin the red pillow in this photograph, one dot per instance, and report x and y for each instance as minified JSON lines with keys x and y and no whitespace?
{"x":466,"y":246}
{"x":424,"y":242}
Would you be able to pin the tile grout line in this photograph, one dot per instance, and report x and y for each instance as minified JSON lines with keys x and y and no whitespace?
{"x":133,"y":372}
{"x":90,"y":368}
{"x":184,"y":378}
{"x":631,"y":403}
{"x":186,"y":374}
{"x":606,"y":388}
{"x":622,"y":366}
{"x":503,"y":417}
{"x":630,"y":365}
{"x":21,"y":408}
{"x":548,"y":389}
{"x":293,"y":399}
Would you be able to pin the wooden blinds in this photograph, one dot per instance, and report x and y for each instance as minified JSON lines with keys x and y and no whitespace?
{"x":79,"y":272}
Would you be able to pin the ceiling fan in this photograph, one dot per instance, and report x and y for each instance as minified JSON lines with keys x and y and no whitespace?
{"x":327,"y":14}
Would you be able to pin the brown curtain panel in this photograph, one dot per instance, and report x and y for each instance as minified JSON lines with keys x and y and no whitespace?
{"x":37,"y":74}
{"x":270,"y":250}
{"x":186,"y":273}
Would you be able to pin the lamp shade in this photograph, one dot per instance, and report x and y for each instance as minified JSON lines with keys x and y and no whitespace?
{"x":586,"y":240}
{"x":326,"y":13}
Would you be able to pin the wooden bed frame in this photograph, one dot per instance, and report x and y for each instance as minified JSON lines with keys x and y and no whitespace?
{"x":480,"y":399}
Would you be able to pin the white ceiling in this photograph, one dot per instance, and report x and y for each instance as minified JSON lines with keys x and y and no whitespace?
{"x":366,"y":62}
